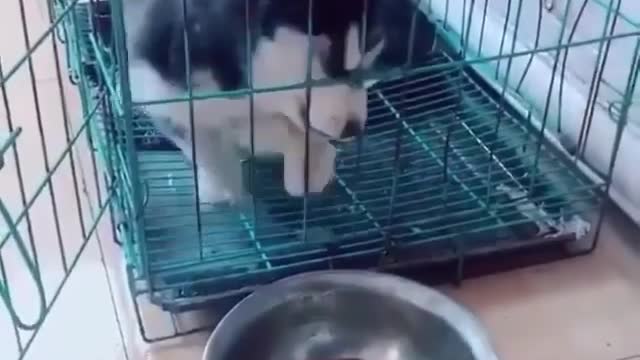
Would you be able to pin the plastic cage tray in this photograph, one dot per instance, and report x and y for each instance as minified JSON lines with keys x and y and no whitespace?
{"x":444,"y":170}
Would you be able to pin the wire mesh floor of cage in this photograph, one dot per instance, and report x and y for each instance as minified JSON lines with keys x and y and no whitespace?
{"x":456,"y":175}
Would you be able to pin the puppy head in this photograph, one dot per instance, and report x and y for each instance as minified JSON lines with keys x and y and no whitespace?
{"x":336,"y":111}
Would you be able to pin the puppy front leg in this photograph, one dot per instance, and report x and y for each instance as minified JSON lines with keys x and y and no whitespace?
{"x":218,"y":164}
{"x":322,"y":156}
{"x":219,"y":169}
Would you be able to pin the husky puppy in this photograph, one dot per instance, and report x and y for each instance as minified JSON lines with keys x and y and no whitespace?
{"x":209,"y":46}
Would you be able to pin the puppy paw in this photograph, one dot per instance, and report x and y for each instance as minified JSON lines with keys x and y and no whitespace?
{"x":212,"y":192}
{"x":321,"y":170}
{"x":214,"y":196}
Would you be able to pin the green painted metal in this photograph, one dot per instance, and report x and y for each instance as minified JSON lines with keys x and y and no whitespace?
{"x":18,"y":227}
{"x":469,"y":151}
{"x":450,"y":166}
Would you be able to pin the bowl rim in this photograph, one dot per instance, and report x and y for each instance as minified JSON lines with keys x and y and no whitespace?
{"x":462,"y":320}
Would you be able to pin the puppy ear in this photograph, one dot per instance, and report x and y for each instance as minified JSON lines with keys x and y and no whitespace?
{"x":370,"y":57}
{"x":352,"y":53}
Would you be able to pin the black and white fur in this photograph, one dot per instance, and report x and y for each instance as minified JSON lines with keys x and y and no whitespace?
{"x":216,"y":31}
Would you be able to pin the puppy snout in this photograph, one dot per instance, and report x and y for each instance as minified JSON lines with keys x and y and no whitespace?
{"x":351,"y":129}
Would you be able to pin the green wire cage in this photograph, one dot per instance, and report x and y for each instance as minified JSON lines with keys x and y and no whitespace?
{"x":463,"y":167}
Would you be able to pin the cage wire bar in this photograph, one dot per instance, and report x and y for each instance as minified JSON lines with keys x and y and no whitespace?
{"x":458,"y":164}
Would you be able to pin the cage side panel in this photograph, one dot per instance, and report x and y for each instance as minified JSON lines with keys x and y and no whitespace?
{"x":581,"y":124}
{"x":53,"y":195}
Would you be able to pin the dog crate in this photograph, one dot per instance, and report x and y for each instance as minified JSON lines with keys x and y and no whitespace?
{"x":459,"y":169}
{"x":464,"y":167}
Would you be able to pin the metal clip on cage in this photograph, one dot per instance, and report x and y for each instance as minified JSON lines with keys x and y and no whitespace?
{"x":460,"y":169}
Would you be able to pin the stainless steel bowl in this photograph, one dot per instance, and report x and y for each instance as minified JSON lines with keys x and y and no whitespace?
{"x":340,"y":315}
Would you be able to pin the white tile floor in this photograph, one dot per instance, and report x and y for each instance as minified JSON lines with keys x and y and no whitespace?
{"x":585,"y":308}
